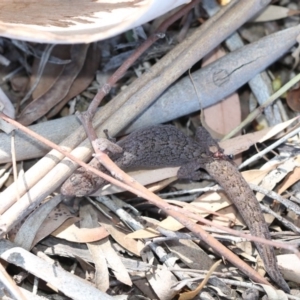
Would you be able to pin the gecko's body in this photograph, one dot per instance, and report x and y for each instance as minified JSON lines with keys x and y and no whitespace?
{"x":152,"y":147}
{"x":165,"y":146}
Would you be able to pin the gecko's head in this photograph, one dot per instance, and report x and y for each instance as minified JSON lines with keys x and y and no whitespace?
{"x":78,"y":186}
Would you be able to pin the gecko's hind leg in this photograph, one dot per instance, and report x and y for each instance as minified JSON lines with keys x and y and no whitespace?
{"x":211,"y":146}
{"x":191,"y":171}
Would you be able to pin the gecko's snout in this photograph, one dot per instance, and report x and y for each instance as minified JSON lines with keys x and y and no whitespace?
{"x":77,"y":186}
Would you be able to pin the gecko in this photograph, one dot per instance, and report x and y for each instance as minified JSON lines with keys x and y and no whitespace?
{"x":166,"y":146}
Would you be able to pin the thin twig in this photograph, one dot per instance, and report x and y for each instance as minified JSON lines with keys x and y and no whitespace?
{"x":214,"y":188}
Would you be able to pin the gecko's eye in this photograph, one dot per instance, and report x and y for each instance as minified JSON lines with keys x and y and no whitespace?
{"x":230,"y":156}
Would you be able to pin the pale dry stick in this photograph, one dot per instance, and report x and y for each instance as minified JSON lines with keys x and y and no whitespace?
{"x":268,"y":149}
{"x":260,"y":109}
{"x":48,"y":173}
{"x":204,"y":272}
{"x":8,"y":220}
{"x":215,"y":188}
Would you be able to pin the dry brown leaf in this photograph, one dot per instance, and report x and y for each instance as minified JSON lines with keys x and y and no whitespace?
{"x":68,"y":231}
{"x":274,"y":294}
{"x":115,"y":263}
{"x":171,"y":224}
{"x":157,"y":186}
{"x":26,"y":233}
{"x":161,"y":281}
{"x":276,"y":130}
{"x":40,"y":106}
{"x":19,"y":83}
{"x":224,"y":116}
{"x":89,"y":219}
{"x":204,"y":205}
{"x":274,"y":12}
{"x":293,"y":99}
{"x":275,"y":176}
{"x":120,"y":236}
{"x":147,"y":233}
{"x":289,"y":265}
{"x":57,"y":217}
{"x":143,"y":285}
{"x":83,"y":80}
{"x":190,"y":253}
{"x":290,"y":179}
{"x":245,"y":249}
{"x":227,"y":214}
{"x":256,"y":176}
{"x":51,"y":71}
{"x":210,"y":202}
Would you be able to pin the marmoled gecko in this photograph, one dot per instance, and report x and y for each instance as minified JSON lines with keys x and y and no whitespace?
{"x":166,"y":146}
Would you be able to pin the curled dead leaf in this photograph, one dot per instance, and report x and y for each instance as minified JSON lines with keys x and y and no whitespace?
{"x":293,"y":99}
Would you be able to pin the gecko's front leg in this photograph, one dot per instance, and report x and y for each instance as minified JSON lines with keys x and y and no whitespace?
{"x":191,"y":171}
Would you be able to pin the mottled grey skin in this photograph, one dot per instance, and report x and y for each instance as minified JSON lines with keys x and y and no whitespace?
{"x":152,"y":147}
{"x":164,"y":146}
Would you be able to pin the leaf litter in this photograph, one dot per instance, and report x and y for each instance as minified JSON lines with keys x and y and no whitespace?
{"x":131,"y":248}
